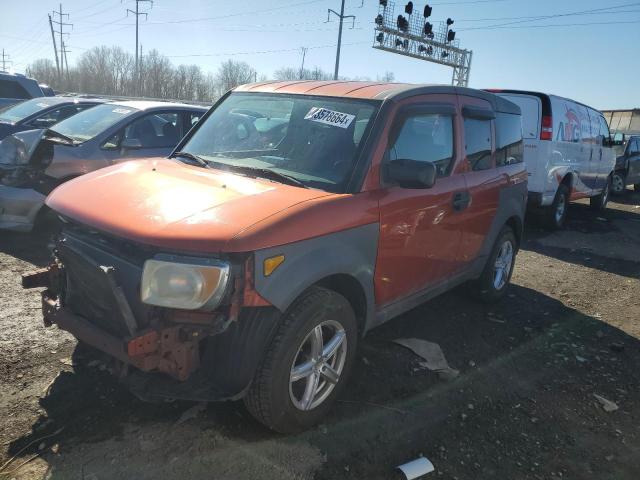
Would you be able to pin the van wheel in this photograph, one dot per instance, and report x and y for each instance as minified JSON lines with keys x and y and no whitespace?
{"x":618,"y":185}
{"x":492,"y":284}
{"x":307,"y":364}
{"x":556,"y":214}
{"x":599,"y":202}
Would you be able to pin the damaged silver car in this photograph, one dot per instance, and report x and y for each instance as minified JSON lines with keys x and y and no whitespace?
{"x":34,"y":162}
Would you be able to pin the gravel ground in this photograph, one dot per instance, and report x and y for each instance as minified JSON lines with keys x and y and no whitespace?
{"x":523,"y":406}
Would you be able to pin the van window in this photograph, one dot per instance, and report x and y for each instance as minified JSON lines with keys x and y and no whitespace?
{"x":634,"y":148}
{"x":531,"y":108}
{"x":477,"y":139}
{"x":426,"y":138}
{"x":509,"y":148}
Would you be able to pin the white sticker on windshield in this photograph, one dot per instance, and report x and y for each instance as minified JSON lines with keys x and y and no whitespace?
{"x":42,"y":105}
{"x":330,"y":117}
{"x":120,"y":110}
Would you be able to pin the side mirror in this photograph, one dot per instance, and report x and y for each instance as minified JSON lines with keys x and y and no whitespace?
{"x":130,"y":144}
{"x":411,"y":173}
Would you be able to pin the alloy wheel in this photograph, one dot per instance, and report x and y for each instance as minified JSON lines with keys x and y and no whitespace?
{"x":318,"y":365}
{"x":502,"y":265}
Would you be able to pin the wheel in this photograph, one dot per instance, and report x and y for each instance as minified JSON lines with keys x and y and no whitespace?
{"x":556,"y":214}
{"x":618,"y":185}
{"x":492,"y":284}
{"x":599,"y":202}
{"x":307,"y":364}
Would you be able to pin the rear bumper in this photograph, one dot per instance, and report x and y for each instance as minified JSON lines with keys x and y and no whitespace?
{"x":19,"y":208}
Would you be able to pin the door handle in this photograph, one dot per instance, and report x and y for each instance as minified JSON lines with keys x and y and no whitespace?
{"x":461,"y":200}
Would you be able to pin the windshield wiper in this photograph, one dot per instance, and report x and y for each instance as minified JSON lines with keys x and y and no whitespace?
{"x":269,"y":174}
{"x":51,"y":134}
{"x":199,"y":160}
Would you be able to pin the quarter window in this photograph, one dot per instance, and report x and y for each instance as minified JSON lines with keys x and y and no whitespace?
{"x":426,"y":138}
{"x":477,"y":138}
{"x":509,"y":148}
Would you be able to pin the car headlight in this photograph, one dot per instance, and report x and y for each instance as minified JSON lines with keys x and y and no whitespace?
{"x":185,"y":285}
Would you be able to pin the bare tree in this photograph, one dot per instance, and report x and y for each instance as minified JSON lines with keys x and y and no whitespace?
{"x":232,"y":73}
{"x":386,"y":77}
{"x":291,"y":73}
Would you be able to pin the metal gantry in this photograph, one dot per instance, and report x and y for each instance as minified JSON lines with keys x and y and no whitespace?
{"x":414,"y":41}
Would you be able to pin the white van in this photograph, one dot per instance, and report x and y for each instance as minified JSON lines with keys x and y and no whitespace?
{"x":566,"y":150}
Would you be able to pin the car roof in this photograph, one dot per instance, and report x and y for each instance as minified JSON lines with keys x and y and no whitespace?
{"x":51,"y":101}
{"x":155,"y":105}
{"x":372,"y":90}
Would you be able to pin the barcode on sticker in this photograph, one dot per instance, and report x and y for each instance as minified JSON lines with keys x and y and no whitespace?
{"x":330,"y":117}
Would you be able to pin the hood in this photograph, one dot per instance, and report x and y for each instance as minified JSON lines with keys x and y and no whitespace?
{"x":169,"y":204}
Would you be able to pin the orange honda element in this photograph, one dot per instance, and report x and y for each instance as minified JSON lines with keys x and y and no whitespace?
{"x":292,"y":219}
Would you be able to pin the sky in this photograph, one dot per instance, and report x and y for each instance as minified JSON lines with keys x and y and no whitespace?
{"x":586,"y":50}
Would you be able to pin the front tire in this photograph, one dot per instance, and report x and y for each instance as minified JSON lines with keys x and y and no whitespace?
{"x":599,"y":202}
{"x":307,"y":364}
{"x":492,"y":284}
{"x":618,"y":183}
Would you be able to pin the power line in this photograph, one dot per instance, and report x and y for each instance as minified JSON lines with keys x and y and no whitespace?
{"x":5,"y":59}
{"x":622,"y":22}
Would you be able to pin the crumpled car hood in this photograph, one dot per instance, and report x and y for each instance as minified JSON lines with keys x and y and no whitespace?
{"x":166,"y":203}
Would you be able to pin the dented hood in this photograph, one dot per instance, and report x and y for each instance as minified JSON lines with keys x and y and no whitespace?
{"x":169,"y":204}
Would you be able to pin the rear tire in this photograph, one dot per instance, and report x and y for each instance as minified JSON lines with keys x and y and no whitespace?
{"x":302,"y":348}
{"x":494,"y":281}
{"x":556,"y":213}
{"x":599,"y":202}
{"x":618,"y":183}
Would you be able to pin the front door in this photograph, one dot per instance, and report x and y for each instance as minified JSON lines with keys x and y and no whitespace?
{"x":483,"y":182}
{"x":419,"y":233}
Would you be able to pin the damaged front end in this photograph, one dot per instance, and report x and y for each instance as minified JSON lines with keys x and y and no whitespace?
{"x":93,"y":290}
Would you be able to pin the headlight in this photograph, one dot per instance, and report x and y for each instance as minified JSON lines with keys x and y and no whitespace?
{"x":182,"y":284}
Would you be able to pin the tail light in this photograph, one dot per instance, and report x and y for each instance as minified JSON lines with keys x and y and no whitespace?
{"x":546,"y":132}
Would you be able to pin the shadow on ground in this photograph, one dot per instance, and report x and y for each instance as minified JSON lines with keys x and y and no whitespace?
{"x":522,"y":407}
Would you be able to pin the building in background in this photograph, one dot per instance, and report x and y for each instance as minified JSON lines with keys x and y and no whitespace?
{"x":623,"y":121}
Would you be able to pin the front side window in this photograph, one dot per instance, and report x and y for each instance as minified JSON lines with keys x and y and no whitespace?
{"x":509,"y":147}
{"x":315,"y":140}
{"x":161,"y":130}
{"x":477,"y":139}
{"x":89,"y":123}
{"x":426,"y":138}
{"x":604,"y":130}
{"x":634,"y":147}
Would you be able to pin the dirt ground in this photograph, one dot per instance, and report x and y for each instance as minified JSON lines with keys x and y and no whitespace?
{"x":523,"y":406}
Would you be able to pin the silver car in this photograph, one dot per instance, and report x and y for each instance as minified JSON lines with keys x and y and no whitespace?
{"x":34,"y":162}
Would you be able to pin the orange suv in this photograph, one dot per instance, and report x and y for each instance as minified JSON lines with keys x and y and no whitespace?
{"x":292,"y":219}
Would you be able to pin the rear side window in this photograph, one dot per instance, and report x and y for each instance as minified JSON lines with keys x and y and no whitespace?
{"x":477,"y":139}
{"x":509,"y":148}
{"x":426,"y":138}
{"x":9,"y":89}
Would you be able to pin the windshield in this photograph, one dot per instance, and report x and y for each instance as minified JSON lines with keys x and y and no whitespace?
{"x":315,"y":140}
{"x":89,"y":123}
{"x":15,"y":113}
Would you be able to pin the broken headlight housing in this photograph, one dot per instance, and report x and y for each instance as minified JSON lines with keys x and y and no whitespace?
{"x":184,"y":283}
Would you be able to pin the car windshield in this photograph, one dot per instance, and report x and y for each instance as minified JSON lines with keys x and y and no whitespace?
{"x":315,"y":140}
{"x":15,"y":113}
{"x":93,"y":121}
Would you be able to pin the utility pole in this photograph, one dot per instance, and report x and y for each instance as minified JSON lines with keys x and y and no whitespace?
{"x":61,"y":24}
{"x":341,"y":16}
{"x":304,"y":53}
{"x":137,"y":13}
{"x":4,"y":67}
{"x":63,"y":53}
{"x":55,"y":48}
